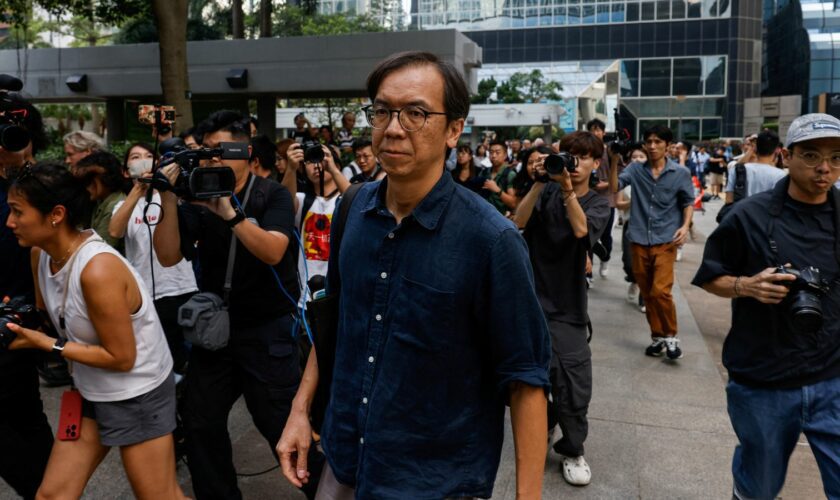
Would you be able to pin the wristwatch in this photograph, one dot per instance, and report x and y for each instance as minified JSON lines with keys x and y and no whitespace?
{"x":59,"y":344}
{"x":239,"y":217}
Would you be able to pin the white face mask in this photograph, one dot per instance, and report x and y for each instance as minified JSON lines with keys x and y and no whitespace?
{"x":137,"y":168}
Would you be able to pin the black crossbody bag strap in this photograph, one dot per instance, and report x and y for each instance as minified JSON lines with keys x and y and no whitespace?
{"x":232,"y":252}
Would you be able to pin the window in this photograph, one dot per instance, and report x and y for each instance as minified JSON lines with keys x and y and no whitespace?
{"x":629,"y":78}
{"x":617,"y":13}
{"x":632,"y":11}
{"x":588,"y":14}
{"x":663,"y":9}
{"x":648,"y":11}
{"x":603,"y":14}
{"x":687,"y":130}
{"x":677,"y":9}
{"x":656,"y":77}
{"x":646,"y":124}
{"x":694,"y":9}
{"x":714,"y":74}
{"x":711,"y":129}
{"x":687,"y":76}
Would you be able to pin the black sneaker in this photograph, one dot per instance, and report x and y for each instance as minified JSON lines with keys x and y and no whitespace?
{"x":656,"y":347}
{"x":672,"y":346}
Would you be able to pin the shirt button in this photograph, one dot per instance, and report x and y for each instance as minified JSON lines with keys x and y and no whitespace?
{"x":383,"y":275}
{"x":390,"y":236}
{"x":361,"y":440}
{"x":364,"y":401}
{"x":378,"y":317}
{"x":370,"y":359}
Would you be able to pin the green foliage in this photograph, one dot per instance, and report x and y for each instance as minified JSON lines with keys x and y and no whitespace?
{"x":290,"y":20}
{"x":143,"y":30}
{"x":26,"y":36}
{"x":519,"y":88}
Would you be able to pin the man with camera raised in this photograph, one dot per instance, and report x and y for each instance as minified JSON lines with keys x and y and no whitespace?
{"x":563,"y":218}
{"x":777,"y":255}
{"x":260,"y":290}
{"x":25,"y":435}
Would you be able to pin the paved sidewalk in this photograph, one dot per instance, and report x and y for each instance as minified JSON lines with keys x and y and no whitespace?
{"x":657,"y":429}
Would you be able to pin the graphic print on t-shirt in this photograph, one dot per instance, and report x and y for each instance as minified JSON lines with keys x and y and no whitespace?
{"x":316,"y":236}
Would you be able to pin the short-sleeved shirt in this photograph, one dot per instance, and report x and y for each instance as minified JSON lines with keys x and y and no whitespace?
{"x":761,"y":349}
{"x":559,"y":257}
{"x":438,"y":317}
{"x":504,"y":179}
{"x":315,"y":226}
{"x":657,"y":204}
{"x":717,"y":167}
{"x":255,"y":296}
{"x":760,"y":178}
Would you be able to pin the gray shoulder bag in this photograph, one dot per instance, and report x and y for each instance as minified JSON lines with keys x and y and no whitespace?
{"x":204,"y":318}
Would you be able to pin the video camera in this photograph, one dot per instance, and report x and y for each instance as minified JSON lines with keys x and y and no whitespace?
{"x":18,"y":312}
{"x":202,"y":183}
{"x":618,"y":140}
{"x":13,"y":136}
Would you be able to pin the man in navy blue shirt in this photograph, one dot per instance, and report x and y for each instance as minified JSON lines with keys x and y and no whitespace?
{"x":439,"y":324}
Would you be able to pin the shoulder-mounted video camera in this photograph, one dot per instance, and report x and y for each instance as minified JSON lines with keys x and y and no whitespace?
{"x":13,"y":135}
{"x":202,"y":183}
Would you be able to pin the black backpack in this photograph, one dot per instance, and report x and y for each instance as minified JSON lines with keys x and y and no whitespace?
{"x":738,"y":194}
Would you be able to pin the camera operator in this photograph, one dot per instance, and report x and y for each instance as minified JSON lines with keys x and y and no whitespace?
{"x":562,"y":220}
{"x":604,"y":251}
{"x":25,"y":435}
{"x":783,"y":362}
{"x":260,"y":360}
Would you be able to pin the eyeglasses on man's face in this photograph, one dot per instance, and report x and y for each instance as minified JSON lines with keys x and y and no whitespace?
{"x":411,"y":118}
{"x":813,"y":159}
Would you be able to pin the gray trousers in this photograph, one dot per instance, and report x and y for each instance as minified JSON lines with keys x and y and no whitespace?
{"x":571,"y":385}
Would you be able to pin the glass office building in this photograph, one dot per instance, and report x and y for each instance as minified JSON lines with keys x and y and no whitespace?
{"x":686,"y":63}
{"x":801,"y":49}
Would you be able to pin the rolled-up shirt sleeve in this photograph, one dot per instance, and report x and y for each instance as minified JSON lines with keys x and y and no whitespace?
{"x":686,"y":189}
{"x":725,"y":252}
{"x":517,"y":331}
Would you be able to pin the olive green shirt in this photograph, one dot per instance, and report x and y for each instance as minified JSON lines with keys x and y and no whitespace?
{"x":101,"y":218}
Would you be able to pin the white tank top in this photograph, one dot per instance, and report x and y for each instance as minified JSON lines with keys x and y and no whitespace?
{"x":153,"y":363}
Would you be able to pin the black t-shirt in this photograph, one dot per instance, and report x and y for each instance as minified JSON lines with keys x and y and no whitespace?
{"x":761,"y":349}
{"x":255,"y":296}
{"x":717,"y":167}
{"x":558,"y":257}
{"x":15,"y":280}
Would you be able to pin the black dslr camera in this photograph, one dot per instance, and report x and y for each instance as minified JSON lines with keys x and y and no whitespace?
{"x":202,"y":183}
{"x":803,"y":301}
{"x":556,"y":163}
{"x":312,"y":151}
{"x":16,"y":311}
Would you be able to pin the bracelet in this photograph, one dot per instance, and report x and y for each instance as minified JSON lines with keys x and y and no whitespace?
{"x":570,"y":197}
{"x":737,"y":282}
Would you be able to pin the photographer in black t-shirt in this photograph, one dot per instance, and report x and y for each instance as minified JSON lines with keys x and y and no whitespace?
{"x":562,"y":220}
{"x":25,"y":435}
{"x":261,"y":358}
{"x":784,"y":367}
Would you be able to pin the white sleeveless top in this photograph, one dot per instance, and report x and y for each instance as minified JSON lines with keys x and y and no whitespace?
{"x":153,"y":363}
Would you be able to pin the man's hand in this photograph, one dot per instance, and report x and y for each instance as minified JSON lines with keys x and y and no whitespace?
{"x":219,"y":206}
{"x":293,"y":448}
{"x":680,"y":236}
{"x":763,"y":286}
{"x":491,"y":186}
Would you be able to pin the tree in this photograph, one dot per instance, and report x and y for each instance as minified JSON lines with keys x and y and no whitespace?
{"x":520,"y":87}
{"x":238,"y":19}
{"x":265,"y":18}
{"x":290,"y":20}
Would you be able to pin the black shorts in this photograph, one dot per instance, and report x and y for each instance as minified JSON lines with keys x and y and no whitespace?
{"x":131,"y":421}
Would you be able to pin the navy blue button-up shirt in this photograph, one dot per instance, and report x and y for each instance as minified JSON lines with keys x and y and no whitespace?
{"x":438,"y":317}
{"x":656,"y":205}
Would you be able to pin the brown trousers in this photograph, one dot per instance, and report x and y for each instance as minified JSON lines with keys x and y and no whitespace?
{"x":653,"y":268}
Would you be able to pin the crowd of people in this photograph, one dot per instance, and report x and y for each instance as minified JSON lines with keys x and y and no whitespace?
{"x":140,"y":290}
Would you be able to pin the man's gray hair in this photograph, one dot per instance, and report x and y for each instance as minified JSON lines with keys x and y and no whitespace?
{"x":81,"y":140}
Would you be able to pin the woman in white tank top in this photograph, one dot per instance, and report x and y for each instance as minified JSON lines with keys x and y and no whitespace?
{"x":109,"y":333}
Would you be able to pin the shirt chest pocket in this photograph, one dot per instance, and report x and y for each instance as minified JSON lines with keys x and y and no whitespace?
{"x":422,"y":315}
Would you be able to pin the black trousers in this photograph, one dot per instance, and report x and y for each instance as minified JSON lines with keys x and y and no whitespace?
{"x":605,"y":244}
{"x":626,"y":255}
{"x":571,"y":385}
{"x":167,"y":310}
{"x":260,"y":363}
{"x":25,"y":435}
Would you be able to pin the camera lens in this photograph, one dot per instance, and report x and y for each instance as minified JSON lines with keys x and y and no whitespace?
{"x":13,"y":137}
{"x":806,"y":313}
{"x":313,"y":154}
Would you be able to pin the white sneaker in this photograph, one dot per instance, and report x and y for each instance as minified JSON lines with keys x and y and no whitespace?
{"x":633,"y":294}
{"x":604,"y":269}
{"x":576,"y":471}
{"x":679,"y":254}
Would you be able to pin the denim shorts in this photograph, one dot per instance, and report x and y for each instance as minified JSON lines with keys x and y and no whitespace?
{"x":131,"y":421}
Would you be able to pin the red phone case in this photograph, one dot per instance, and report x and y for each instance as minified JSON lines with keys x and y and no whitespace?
{"x":70,"y":418}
